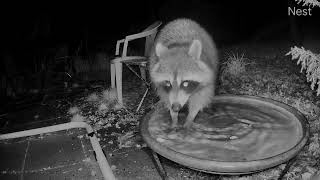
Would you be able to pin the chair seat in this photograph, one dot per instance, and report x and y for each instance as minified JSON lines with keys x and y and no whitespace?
{"x":130,"y":59}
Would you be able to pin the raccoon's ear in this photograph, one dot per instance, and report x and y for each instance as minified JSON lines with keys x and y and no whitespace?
{"x":195,"y":49}
{"x":160,"y":49}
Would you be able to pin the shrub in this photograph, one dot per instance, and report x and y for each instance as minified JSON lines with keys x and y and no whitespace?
{"x":309,"y":2}
{"x":235,"y":64}
{"x":309,"y":62}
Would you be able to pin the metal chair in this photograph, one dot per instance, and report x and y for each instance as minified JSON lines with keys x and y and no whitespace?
{"x":116,"y":64}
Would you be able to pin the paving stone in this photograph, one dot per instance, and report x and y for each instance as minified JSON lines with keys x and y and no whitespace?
{"x":10,"y":176}
{"x":12,"y":155}
{"x":54,"y":150}
{"x":72,"y":172}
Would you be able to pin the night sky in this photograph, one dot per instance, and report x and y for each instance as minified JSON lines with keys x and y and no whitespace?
{"x":30,"y":27}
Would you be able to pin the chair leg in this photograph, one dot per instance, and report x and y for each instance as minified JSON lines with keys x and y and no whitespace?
{"x":159,"y":166}
{"x":141,"y":101}
{"x":113,"y":75}
{"x":143,"y":72}
{"x":118,"y":68}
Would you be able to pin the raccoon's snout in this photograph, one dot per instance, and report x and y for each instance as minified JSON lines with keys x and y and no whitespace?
{"x":176,"y":107}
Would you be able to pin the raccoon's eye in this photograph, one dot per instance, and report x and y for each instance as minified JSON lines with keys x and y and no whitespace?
{"x":167,"y":83}
{"x":189,"y":86}
{"x":166,"y":86}
{"x":185,"y":83}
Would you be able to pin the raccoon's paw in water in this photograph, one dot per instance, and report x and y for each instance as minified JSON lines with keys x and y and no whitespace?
{"x":188,"y":125}
{"x":174,"y":125}
{"x":189,"y":122}
{"x":171,"y":129}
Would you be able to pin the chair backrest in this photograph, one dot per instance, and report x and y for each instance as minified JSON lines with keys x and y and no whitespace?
{"x":149,"y":34}
{"x":155,"y":25}
{"x":150,"y":39}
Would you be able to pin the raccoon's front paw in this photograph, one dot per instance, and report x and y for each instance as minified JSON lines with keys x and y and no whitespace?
{"x":174,"y":129}
{"x":188,"y":124}
{"x":174,"y":125}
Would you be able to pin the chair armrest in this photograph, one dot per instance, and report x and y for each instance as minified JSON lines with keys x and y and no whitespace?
{"x":118,"y":46}
{"x":135,"y":36}
{"x":140,"y":35}
{"x":147,"y":32}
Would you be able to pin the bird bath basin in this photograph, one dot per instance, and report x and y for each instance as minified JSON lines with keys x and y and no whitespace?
{"x":235,"y":135}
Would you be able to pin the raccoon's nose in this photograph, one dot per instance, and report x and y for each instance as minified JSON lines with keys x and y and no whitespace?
{"x":176,"y":107}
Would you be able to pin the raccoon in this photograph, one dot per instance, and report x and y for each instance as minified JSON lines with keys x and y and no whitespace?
{"x":183,"y":68}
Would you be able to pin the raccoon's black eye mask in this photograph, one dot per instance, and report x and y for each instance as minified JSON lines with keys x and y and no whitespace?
{"x":189,"y":86}
{"x":166,"y":85}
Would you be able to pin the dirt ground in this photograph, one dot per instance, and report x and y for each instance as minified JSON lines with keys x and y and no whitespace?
{"x":268,"y":73}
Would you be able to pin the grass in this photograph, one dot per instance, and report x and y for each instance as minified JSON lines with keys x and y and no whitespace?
{"x":235,"y":64}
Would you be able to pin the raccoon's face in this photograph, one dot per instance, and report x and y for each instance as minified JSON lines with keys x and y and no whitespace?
{"x":179,"y":92}
{"x":179,"y":73}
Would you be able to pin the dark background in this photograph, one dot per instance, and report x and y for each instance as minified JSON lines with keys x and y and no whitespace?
{"x":49,"y":23}
{"x":31,"y":29}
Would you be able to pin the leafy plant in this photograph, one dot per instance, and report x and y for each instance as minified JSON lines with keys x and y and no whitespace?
{"x":309,"y":62}
{"x":309,"y":2}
